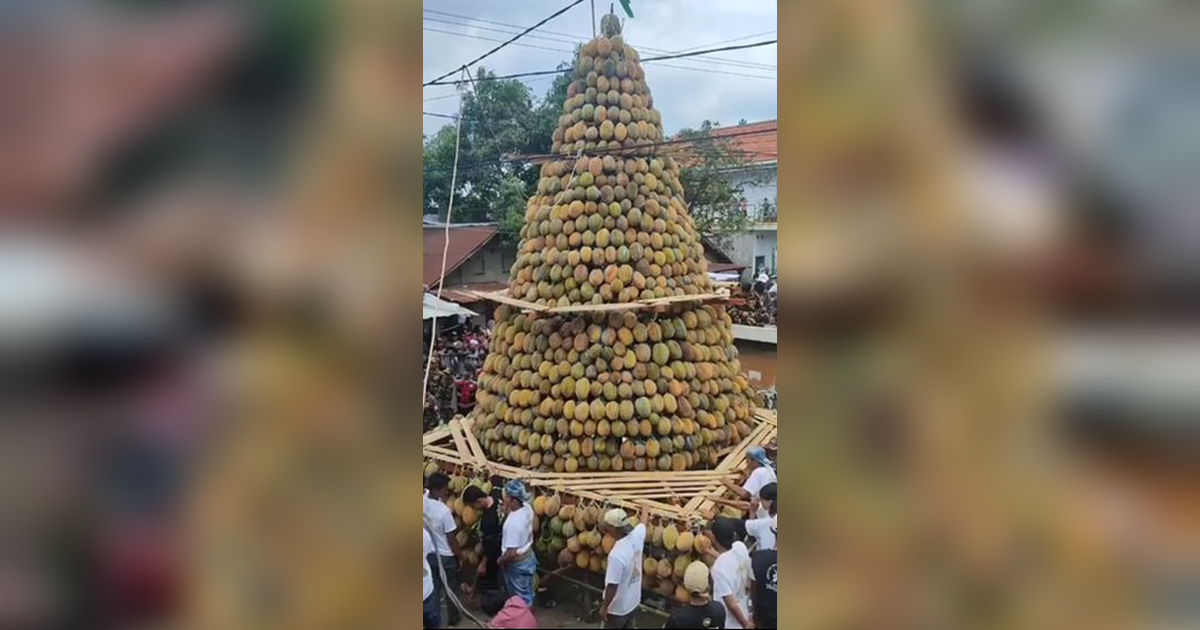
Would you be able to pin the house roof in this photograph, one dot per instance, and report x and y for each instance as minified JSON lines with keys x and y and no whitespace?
{"x":719,"y":267}
{"x":713,"y":253}
{"x":464,"y":242}
{"x":760,"y":140}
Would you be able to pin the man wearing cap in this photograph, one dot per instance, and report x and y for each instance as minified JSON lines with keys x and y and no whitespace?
{"x":516,"y":541}
{"x":623,"y":579}
{"x":701,"y":611}
{"x":761,"y":474}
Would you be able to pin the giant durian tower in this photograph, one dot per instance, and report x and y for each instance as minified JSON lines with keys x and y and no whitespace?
{"x":629,"y":389}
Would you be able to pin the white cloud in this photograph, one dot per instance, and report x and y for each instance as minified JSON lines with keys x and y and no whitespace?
{"x":685,"y":97}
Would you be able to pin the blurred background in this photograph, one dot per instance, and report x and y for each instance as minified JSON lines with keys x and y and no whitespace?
{"x":989,"y":276}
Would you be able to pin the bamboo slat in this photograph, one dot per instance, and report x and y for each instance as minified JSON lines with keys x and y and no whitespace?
{"x":656,"y":491}
{"x":503,"y":297}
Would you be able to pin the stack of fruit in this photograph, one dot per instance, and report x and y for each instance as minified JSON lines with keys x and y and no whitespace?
{"x":567,"y":533}
{"x":635,"y":389}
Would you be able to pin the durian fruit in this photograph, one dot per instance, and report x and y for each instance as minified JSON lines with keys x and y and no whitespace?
{"x":635,"y":389}
{"x":670,"y":537}
{"x":685,"y":542}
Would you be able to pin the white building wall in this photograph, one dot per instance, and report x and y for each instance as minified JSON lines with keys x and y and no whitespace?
{"x":755,"y":192}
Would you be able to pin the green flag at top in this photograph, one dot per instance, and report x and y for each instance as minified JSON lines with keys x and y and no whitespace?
{"x":625,"y":5}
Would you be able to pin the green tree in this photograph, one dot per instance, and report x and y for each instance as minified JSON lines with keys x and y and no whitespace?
{"x":501,"y":123}
{"x":715,"y":174}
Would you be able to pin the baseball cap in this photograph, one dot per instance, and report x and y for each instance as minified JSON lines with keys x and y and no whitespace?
{"x":695,"y":579}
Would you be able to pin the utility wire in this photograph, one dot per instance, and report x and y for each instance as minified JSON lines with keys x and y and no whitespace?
{"x":450,"y":116}
{"x":665,"y":65}
{"x":679,"y":143}
{"x":645,"y":60}
{"x":574,"y":39}
{"x":513,"y":39}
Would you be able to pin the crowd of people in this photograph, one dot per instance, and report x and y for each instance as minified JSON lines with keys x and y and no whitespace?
{"x":739,"y":591}
{"x":458,"y":356}
{"x":757,"y":303}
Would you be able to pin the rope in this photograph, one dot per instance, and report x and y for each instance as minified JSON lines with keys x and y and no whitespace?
{"x":446,"y":584}
{"x":445,"y":244}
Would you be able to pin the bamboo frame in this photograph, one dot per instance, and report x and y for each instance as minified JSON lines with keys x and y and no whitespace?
{"x":659,"y":492}
{"x":503,"y":297}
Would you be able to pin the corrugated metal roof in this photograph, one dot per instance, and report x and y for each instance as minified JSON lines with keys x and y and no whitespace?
{"x":462,"y":294}
{"x":464,"y":242}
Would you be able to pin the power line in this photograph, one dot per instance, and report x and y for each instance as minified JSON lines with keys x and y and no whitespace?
{"x":665,"y":65}
{"x":513,"y":39}
{"x":646,"y":60}
{"x":450,"y":116}
{"x":575,"y":39}
{"x":438,"y":98}
{"x":677,"y":144}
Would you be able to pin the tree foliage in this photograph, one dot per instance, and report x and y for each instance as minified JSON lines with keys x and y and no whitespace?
{"x":500,"y":119}
{"x":715,"y":174}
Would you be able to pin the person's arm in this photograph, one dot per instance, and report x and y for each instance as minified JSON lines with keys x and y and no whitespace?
{"x":732,"y":604}
{"x":454,"y":547}
{"x":736,"y":489}
{"x":508,"y":557}
{"x":451,"y":530}
{"x":612,"y":577}
{"x":610,"y":592}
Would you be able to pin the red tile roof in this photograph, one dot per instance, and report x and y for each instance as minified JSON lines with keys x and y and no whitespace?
{"x":760,"y":140}
{"x":464,"y":241}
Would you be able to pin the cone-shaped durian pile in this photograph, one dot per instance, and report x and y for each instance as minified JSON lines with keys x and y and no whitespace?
{"x":610,"y":390}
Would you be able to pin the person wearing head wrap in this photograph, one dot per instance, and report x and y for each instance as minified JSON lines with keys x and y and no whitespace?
{"x":701,"y":611}
{"x":516,"y":542}
{"x":761,"y":474}
{"x":623,"y":578}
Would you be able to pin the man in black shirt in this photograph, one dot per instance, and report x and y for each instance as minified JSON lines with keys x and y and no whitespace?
{"x":487,"y":577}
{"x":702,"y":611}
{"x":765,"y":589}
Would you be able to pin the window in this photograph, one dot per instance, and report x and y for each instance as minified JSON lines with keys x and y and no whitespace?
{"x":760,"y":264}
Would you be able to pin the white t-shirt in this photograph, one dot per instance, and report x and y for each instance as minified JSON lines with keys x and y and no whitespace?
{"x":518,"y":531}
{"x":625,"y":570}
{"x":760,"y":529}
{"x":761,"y":476}
{"x":427,"y":576}
{"x":441,"y":520}
{"x":731,"y":576}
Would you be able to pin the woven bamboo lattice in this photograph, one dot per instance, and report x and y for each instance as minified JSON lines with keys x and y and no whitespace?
{"x":689,"y":495}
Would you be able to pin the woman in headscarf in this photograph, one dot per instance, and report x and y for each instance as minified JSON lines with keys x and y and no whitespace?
{"x":518,"y":561}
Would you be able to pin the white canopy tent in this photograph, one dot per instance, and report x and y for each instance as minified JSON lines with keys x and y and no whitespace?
{"x":433,"y":307}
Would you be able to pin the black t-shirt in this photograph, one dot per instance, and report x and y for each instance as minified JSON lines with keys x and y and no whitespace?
{"x":766,"y":587}
{"x":491,"y":531}
{"x":711,"y":615}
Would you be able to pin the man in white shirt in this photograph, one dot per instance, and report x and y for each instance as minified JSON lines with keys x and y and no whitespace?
{"x":623,"y":579}
{"x":763,"y":529}
{"x":761,"y":474}
{"x":429,"y":608}
{"x":516,"y":543}
{"x":440,"y":521}
{"x":731,"y":575}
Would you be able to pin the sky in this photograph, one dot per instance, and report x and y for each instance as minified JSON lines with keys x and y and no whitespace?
{"x":712,"y":89}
